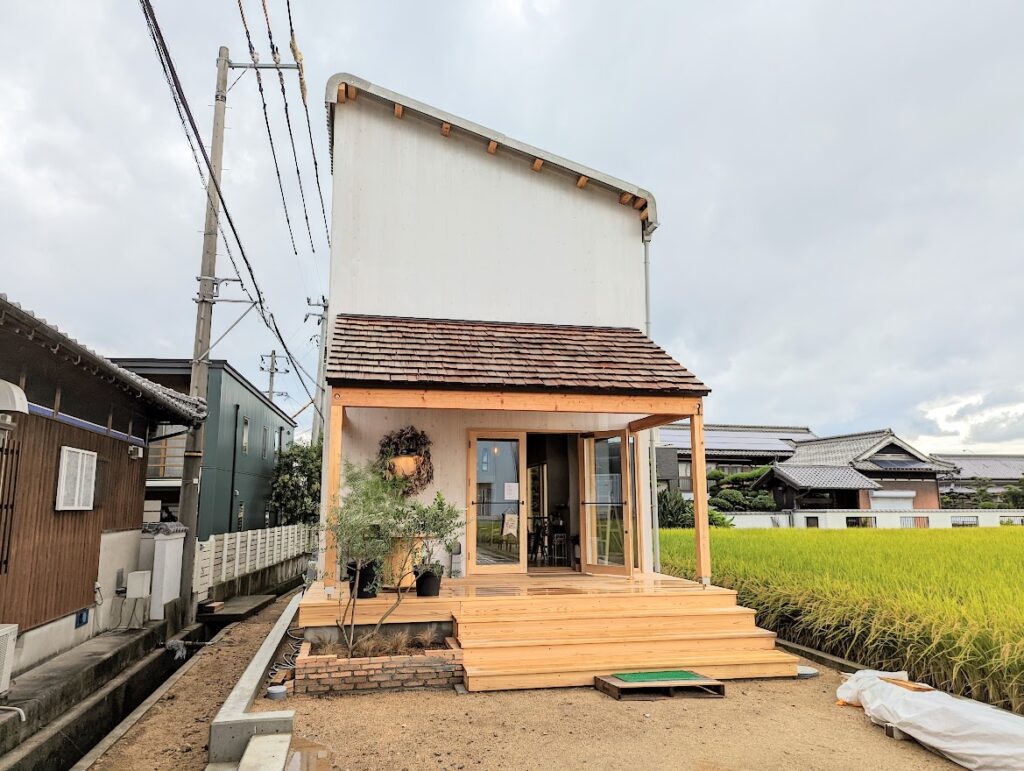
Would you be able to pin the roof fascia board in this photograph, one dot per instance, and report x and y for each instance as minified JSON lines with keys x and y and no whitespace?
{"x":487,"y":135}
{"x":893,"y":439}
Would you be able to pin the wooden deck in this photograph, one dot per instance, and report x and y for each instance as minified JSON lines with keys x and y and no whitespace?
{"x":562,"y":629}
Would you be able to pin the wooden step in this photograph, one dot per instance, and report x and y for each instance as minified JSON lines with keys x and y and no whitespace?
{"x":590,"y":624}
{"x":722,"y":666}
{"x":608,"y":606}
{"x":618,"y":637}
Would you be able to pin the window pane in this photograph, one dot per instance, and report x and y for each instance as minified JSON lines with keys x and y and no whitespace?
{"x":497,"y":501}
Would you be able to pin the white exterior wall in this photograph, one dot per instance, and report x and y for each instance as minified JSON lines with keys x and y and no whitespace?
{"x":448,"y":432}
{"x":117,"y":550}
{"x":835,"y":519}
{"x":430,"y":226}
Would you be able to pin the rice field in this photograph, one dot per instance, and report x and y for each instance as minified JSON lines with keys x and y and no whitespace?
{"x":945,"y":605}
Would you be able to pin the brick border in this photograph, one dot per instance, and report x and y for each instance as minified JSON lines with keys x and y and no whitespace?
{"x":441,"y":668}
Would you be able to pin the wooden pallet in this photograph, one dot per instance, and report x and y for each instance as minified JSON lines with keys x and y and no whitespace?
{"x":650,"y":690}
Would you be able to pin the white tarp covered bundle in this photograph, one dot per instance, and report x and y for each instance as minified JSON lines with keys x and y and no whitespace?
{"x":975,"y":735}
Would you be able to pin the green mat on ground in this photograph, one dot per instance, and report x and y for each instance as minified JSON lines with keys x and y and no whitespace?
{"x":646,"y":677}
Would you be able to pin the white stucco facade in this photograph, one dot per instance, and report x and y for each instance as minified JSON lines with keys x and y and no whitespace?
{"x":431,"y":226}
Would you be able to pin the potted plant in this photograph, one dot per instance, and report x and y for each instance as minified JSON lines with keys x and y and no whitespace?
{"x":405,"y":453}
{"x":439,"y":525}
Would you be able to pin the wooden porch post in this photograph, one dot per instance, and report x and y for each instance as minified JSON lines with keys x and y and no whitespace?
{"x":698,"y":474}
{"x":333,"y":487}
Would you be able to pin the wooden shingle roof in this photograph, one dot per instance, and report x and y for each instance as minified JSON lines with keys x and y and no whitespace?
{"x":407,"y":352}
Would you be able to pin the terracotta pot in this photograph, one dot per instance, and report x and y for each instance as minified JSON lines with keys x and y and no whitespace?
{"x":405,"y":465}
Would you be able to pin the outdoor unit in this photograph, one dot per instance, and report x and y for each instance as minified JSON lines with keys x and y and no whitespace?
{"x":8,"y":636}
{"x":135,"y":452}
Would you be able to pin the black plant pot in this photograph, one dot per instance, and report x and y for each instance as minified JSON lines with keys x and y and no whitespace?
{"x":428,"y":583}
{"x":367,"y":578}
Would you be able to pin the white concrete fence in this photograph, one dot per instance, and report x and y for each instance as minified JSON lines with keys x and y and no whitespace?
{"x":227,"y":556}
{"x":840,"y":519}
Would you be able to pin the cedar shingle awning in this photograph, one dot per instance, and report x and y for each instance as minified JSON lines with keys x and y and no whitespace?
{"x":390,"y":352}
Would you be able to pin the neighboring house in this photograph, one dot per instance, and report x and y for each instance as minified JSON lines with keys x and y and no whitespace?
{"x":493,"y":295}
{"x":244,"y":434}
{"x":73,"y":452}
{"x":729,"y":448}
{"x":975,"y":469}
{"x":868,"y":470}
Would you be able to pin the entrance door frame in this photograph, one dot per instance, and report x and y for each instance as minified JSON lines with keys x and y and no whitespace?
{"x":629,"y":507}
{"x":471,"y":460}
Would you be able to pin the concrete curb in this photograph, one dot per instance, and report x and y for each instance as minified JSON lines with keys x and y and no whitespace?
{"x":825,"y":659}
{"x":233,"y":727}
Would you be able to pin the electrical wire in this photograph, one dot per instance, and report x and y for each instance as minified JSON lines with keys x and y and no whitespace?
{"x":276,"y":55}
{"x":266,"y":120}
{"x":297,"y":58}
{"x":195,"y":141}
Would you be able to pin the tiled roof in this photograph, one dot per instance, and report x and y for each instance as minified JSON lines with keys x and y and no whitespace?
{"x":721,"y":440}
{"x":186,"y":408}
{"x":975,"y":466}
{"x":396,"y":351}
{"x":858,"y":451}
{"x":823,"y":477}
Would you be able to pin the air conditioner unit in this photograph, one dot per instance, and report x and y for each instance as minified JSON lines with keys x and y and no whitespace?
{"x":8,"y":636}
{"x":135,"y":452}
{"x":6,"y":420}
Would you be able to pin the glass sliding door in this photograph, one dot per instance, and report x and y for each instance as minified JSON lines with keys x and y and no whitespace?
{"x":605,"y":509}
{"x":496,"y":522}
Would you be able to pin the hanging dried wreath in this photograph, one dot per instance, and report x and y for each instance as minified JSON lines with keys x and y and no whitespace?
{"x":405,"y":452}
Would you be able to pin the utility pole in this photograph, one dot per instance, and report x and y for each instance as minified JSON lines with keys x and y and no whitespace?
{"x":193,"y":461}
{"x":272,"y":369}
{"x":318,"y":393}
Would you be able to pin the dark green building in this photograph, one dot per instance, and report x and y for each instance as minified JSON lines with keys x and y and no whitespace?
{"x":245,"y":431}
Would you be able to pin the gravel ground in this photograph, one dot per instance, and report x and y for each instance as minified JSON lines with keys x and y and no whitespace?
{"x":765,"y":724}
{"x":174,"y":732}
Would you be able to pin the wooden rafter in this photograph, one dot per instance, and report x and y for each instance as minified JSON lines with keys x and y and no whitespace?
{"x":639,"y":203}
{"x":492,"y":147}
{"x":353,"y":92}
{"x":582,"y":181}
{"x":399,"y":110}
{"x":653,"y":421}
{"x":446,"y":129}
{"x":625,"y":198}
{"x":537,"y":163}
{"x":341,"y":93}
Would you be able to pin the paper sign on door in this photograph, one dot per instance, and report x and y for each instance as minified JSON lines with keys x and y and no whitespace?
{"x":511,"y":491}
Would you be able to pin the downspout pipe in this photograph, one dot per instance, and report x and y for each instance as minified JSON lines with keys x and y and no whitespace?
{"x":652,"y":460}
{"x":234,"y":463}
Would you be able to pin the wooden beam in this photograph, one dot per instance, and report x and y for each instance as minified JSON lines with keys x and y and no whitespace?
{"x":582,"y":181}
{"x":699,"y":477}
{"x":399,"y":110}
{"x":516,"y":401}
{"x":353,"y":92}
{"x":492,"y":147}
{"x":537,"y":163}
{"x":341,"y":93}
{"x":653,"y":421}
{"x":625,"y":198}
{"x":336,"y":418}
{"x":639,"y":203}
{"x":644,"y":214}
{"x":446,"y":129}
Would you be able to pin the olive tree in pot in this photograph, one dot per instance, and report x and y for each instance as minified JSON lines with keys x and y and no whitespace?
{"x":361,"y":524}
{"x":439,"y":525}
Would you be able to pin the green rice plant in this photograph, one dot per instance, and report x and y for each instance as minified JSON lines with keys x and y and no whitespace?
{"x":945,"y":605}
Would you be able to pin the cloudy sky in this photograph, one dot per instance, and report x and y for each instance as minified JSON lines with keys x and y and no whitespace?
{"x":840,"y":185}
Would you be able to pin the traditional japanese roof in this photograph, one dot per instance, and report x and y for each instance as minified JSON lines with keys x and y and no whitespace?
{"x":977,"y":466}
{"x":860,"y":451}
{"x":408,"y":352}
{"x":725,"y":440}
{"x":629,"y":194}
{"x":822,"y":477}
{"x":188,"y":409}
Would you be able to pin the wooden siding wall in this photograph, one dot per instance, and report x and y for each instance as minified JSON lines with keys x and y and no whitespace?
{"x":54,"y":558}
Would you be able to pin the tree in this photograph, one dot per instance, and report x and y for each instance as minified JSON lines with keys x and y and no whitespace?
{"x":295,"y":490}
{"x":675,"y":511}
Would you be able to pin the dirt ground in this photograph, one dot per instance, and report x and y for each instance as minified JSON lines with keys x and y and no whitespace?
{"x":767,"y":724}
{"x":174,"y":732}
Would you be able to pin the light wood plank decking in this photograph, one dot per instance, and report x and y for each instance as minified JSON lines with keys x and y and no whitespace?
{"x":561,"y":629}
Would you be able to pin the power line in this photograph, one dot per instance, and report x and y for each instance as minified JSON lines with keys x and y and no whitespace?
{"x":297,"y":58}
{"x":266,"y":120}
{"x":195,"y":141}
{"x":287,"y":119}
